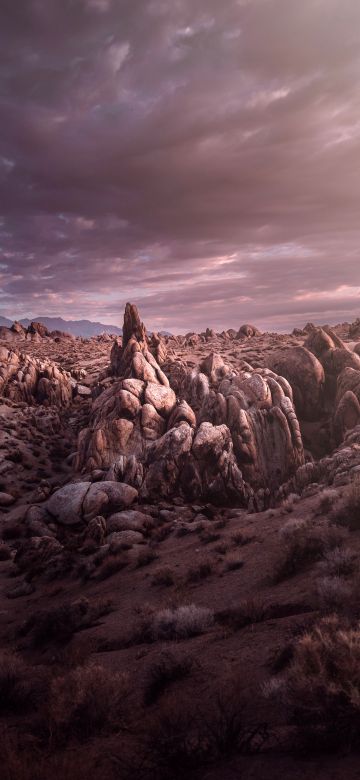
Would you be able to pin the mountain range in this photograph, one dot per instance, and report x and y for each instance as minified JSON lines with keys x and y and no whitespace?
{"x":84,"y":328}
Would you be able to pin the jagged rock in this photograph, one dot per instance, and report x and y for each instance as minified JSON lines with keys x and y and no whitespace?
{"x":83,"y":501}
{"x":128,"y":520}
{"x":163,"y":399}
{"x":126,"y":469}
{"x":96,"y":530}
{"x":152,"y":424}
{"x":357,"y":349}
{"x":182,"y":413}
{"x":128,"y":537}
{"x":347,"y":415}
{"x":6,"y":499}
{"x":164,"y":460}
{"x":306,"y":377}
{"x":248,"y":331}
{"x":23,"y":378}
{"x":103,"y":497}
{"x":320,"y":341}
{"x":214,"y":367}
{"x":65,"y":505}
{"x":39,"y":328}
{"x":158,"y":348}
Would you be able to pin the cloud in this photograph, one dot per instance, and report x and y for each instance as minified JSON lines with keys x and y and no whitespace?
{"x":197,"y":157}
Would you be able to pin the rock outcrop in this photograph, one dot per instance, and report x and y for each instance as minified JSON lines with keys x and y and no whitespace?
{"x":216,"y":432}
{"x":23,"y":378}
{"x":306,"y":376}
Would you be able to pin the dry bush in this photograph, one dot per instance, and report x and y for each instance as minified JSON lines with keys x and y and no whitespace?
{"x":20,"y":761}
{"x":18,"y":685}
{"x":61,"y":623}
{"x":87,"y":701}
{"x":328,"y":498}
{"x":200,"y":571}
{"x":322,"y":685}
{"x":233,"y":562}
{"x":168,"y":668}
{"x":184,"y":738}
{"x":163,"y":576}
{"x":182,"y":622}
{"x":303,"y":542}
{"x":5,"y":552}
{"x":334,"y":594}
{"x":145,"y":557}
{"x":239,"y":539}
{"x":111,"y":565}
{"x":347,"y":510}
{"x":209,"y":536}
{"x":339,"y":562}
{"x":244,"y":614}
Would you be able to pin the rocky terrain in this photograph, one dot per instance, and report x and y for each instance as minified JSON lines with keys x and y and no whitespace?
{"x":179,"y":554}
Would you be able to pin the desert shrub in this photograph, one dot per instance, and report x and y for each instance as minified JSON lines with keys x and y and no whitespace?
{"x":239,"y":539}
{"x":289,"y":502}
{"x":347,"y":510}
{"x":233,"y":562}
{"x":200,"y":571}
{"x":5,"y":552}
{"x":185,"y":738}
{"x":181,"y":622}
{"x":86,"y":701}
{"x":321,"y":686}
{"x":243,"y":614}
{"x":168,"y":668}
{"x":61,"y":623}
{"x":145,"y":557}
{"x":334,"y":594}
{"x":338,"y":562}
{"x":17,"y":683}
{"x":221,"y":548}
{"x":209,"y":536}
{"x":328,"y":498}
{"x":110,"y":566}
{"x":303,"y":542}
{"x":163,"y":576}
{"x":21,"y":761}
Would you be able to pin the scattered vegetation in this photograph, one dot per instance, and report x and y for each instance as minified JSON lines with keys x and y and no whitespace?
{"x":347,"y":509}
{"x":322,"y":685}
{"x":200,"y":571}
{"x":334,"y":594}
{"x":89,"y":700}
{"x":163,"y":576}
{"x":145,"y":557}
{"x":247,"y":612}
{"x":233,"y":562}
{"x":339,"y":562}
{"x":17,"y":683}
{"x":167,"y":669}
{"x":5,"y":552}
{"x":60,"y":624}
{"x":303,"y":542}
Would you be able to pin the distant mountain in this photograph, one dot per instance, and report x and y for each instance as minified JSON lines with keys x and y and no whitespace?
{"x":5,"y":323}
{"x":84,"y":328}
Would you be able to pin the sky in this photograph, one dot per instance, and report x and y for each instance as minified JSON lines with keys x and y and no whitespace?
{"x":196,"y":157}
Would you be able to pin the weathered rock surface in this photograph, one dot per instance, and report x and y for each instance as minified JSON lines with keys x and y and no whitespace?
{"x":306,"y":376}
{"x":23,"y":378}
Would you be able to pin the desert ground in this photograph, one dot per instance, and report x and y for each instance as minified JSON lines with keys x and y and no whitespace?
{"x":180,"y":554}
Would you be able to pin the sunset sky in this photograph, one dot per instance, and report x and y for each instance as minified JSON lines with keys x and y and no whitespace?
{"x":200,"y":158}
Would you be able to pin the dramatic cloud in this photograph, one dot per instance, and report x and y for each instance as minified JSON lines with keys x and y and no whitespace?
{"x":197,"y":157}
